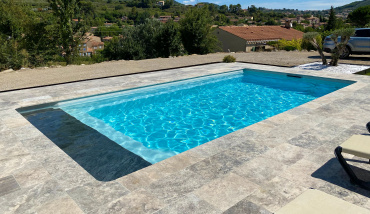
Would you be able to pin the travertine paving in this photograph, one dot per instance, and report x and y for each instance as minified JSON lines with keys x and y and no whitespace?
{"x":41,"y":76}
{"x":257,"y":169}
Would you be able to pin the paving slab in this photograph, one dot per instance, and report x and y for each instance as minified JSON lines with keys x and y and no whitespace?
{"x":8,"y":184}
{"x":257,"y":168}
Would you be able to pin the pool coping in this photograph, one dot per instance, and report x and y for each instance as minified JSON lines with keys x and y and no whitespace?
{"x":120,"y":75}
{"x":157,"y":174}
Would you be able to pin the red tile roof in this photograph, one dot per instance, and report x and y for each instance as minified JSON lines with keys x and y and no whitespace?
{"x":252,"y":33}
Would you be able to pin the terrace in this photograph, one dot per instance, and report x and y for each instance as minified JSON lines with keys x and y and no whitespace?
{"x":256,"y":169}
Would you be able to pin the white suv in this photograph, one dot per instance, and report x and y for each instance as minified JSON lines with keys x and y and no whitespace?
{"x":358,"y":43}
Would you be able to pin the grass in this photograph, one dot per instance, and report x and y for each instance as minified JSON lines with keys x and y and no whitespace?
{"x":364,"y":72}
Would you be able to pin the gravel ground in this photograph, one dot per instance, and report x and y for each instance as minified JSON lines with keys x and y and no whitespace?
{"x":45,"y":76}
{"x":340,"y":69}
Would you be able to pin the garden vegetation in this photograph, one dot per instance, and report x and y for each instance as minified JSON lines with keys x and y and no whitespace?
{"x":49,"y":32}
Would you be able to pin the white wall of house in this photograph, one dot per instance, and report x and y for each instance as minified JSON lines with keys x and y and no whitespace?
{"x":229,"y":41}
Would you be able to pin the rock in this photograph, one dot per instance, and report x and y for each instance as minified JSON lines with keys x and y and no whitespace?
{"x":7,"y":71}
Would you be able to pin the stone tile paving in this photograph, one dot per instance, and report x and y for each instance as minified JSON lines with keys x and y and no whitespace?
{"x":257,"y":169}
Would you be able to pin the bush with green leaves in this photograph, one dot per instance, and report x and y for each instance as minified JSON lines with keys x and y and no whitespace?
{"x":288,"y":45}
{"x":151,"y":39}
{"x":12,"y":55}
{"x":98,"y":56}
{"x":27,"y":39}
{"x":229,"y":59}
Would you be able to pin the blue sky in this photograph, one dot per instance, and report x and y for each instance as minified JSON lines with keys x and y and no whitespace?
{"x":279,"y":4}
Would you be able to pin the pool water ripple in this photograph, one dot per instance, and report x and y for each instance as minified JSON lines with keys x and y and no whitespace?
{"x":179,"y":116}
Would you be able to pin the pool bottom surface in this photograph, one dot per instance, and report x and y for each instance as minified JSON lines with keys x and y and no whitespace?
{"x":103,"y":158}
{"x":115,"y":134}
{"x":158,"y":122}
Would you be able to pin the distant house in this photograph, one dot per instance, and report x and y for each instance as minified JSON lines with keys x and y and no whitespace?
{"x":108,"y":24}
{"x":90,"y":45}
{"x":76,"y":20}
{"x":176,"y":19}
{"x":160,"y":3}
{"x":107,"y":38}
{"x":244,"y":38}
{"x":164,"y":19}
{"x":313,"y":20}
{"x":93,"y":29}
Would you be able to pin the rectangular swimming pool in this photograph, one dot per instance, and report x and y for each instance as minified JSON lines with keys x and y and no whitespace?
{"x":157,"y":122}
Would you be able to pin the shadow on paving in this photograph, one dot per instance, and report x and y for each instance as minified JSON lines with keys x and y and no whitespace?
{"x":333,"y":172}
{"x":104,"y":159}
{"x":357,"y":58}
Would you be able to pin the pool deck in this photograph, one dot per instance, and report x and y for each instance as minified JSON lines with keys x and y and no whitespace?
{"x":257,"y":169}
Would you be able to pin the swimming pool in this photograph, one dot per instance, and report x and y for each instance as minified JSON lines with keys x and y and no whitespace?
{"x":160,"y":121}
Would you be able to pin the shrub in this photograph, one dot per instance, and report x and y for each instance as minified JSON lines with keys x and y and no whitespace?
{"x":98,"y":57}
{"x":228,"y":59}
{"x":295,"y":44}
{"x":151,"y":39}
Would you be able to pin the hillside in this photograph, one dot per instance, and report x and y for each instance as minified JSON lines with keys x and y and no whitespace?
{"x":352,"y":6}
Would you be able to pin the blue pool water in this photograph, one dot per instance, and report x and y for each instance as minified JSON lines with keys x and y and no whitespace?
{"x":160,"y":121}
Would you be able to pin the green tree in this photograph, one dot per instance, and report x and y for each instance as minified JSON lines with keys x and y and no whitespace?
{"x":298,"y":26}
{"x":223,"y":9}
{"x":252,"y":9}
{"x":133,"y":14}
{"x":169,"y":40}
{"x":146,"y":3}
{"x":118,"y":7}
{"x":332,"y":22}
{"x":360,"y":17}
{"x":14,"y":20}
{"x":88,"y":8}
{"x":148,"y":40}
{"x":126,"y":47}
{"x":235,"y":8}
{"x":71,"y":32}
{"x":315,"y":39}
{"x":147,"y":33}
{"x":340,"y":45}
{"x":103,"y":31}
{"x":142,"y":17}
{"x":196,"y":32}
{"x":271,"y":22}
{"x":41,"y":40}
{"x":221,"y":19}
{"x":168,"y":4}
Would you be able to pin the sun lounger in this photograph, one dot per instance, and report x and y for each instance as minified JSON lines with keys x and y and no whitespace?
{"x":358,"y":145}
{"x":316,"y":202}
